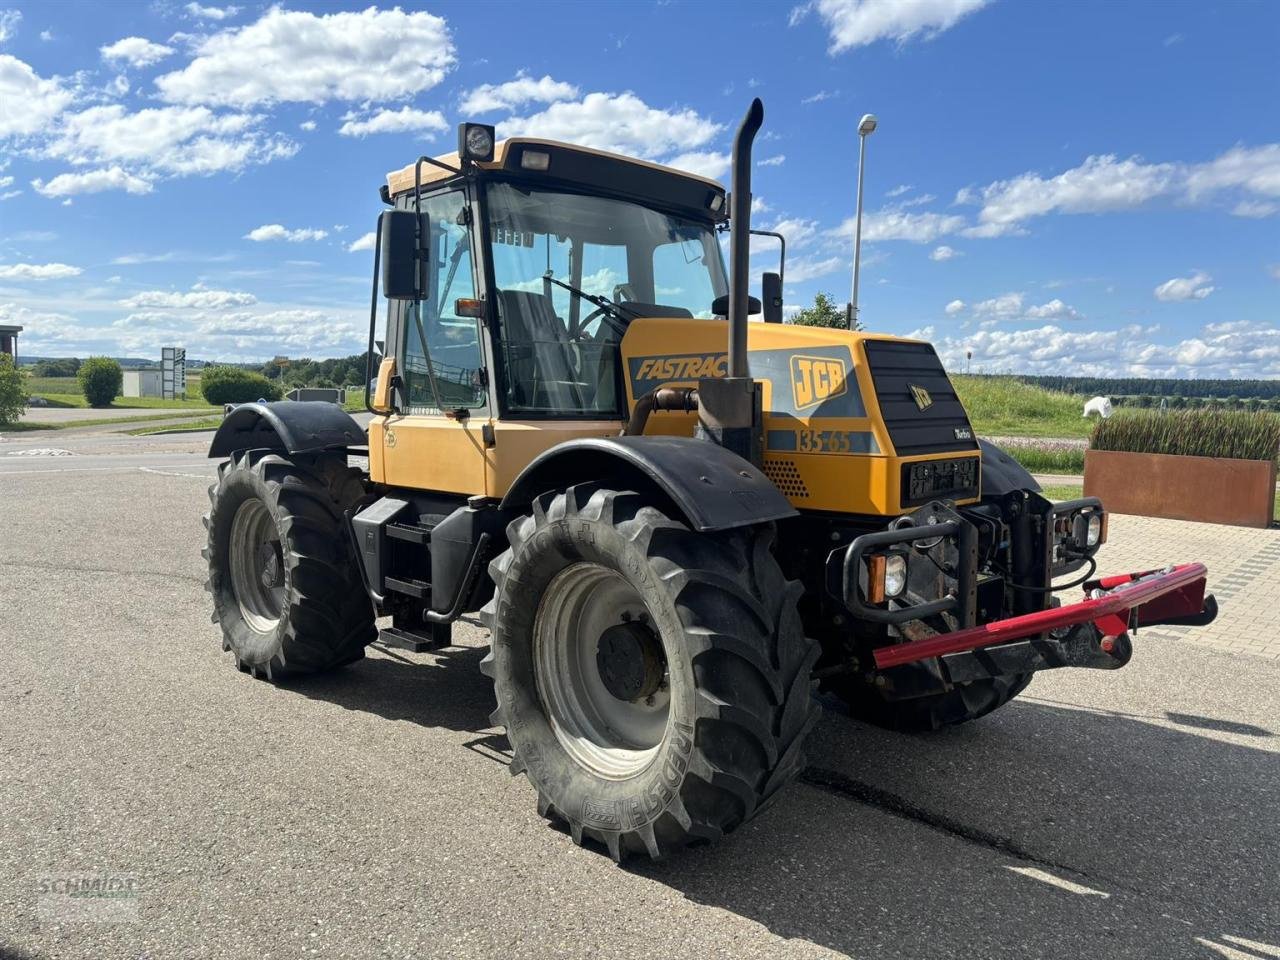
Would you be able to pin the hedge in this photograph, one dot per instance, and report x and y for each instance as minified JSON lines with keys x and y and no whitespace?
{"x":234,"y":385}
{"x":1208,"y":432}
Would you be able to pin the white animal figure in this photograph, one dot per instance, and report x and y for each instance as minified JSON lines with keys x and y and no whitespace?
{"x":1099,"y":405}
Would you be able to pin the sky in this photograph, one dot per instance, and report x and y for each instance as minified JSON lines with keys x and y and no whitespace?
{"x":1054,"y":187}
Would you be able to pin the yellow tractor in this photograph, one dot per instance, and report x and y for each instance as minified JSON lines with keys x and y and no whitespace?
{"x":674,"y":522}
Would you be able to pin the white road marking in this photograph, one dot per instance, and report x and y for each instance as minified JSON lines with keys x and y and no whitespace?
{"x":171,"y":473}
{"x":1058,"y":882}
{"x":1231,"y":953}
{"x":1266,"y":949}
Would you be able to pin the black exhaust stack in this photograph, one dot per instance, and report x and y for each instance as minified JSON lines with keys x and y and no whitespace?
{"x":730,"y":407}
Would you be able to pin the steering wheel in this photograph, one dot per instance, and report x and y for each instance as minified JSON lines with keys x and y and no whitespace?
{"x":608,"y":316}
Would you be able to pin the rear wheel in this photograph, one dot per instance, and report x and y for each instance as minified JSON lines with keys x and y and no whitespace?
{"x":286,"y":589}
{"x":964,"y":702}
{"x":653,"y":681}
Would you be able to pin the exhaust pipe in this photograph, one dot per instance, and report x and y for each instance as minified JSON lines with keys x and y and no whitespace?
{"x":740,"y":237}
{"x":729,"y":407}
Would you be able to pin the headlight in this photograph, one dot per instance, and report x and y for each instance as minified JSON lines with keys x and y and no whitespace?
{"x":1094,"y":532}
{"x":475,"y":142}
{"x":895,"y":575}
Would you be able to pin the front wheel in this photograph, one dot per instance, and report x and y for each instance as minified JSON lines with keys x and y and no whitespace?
{"x":654,"y":682}
{"x":286,"y":589}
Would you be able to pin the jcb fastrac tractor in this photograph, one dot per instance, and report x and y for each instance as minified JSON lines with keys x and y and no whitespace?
{"x":674,"y":522}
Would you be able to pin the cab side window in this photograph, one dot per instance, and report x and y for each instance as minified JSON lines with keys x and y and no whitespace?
{"x":442,"y":362}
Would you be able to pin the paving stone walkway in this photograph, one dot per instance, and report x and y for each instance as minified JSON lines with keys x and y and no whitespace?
{"x":1244,"y":574}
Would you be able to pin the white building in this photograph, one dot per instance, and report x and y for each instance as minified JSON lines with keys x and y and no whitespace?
{"x":143,"y":383}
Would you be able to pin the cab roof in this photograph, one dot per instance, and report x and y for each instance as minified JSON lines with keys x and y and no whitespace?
{"x":576,"y":164}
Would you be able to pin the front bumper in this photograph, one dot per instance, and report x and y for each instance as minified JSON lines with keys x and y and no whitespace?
{"x":1091,"y":633}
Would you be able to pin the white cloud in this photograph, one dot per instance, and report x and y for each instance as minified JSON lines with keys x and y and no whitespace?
{"x":299,"y":57}
{"x":894,"y":224}
{"x":810,"y":268}
{"x":38,"y":271}
{"x":1053,"y":310}
{"x":776,"y":161}
{"x":856,"y":23}
{"x":703,"y":163}
{"x":954,"y":307}
{"x":46,"y":35}
{"x":1195,"y":287}
{"x":197,"y":298}
{"x":307,"y":125}
{"x":489,"y":97}
{"x":1128,"y":351}
{"x":210,"y":13}
{"x":1104,"y":183}
{"x":27,"y":102}
{"x":404,"y":120}
{"x":172,"y":141}
{"x":365,"y":242}
{"x":899,"y":190}
{"x":943,"y":252}
{"x":758,"y":205}
{"x":274,"y":231}
{"x":9,"y":20}
{"x":819,"y":96}
{"x":1255,"y":209}
{"x":1013,"y":307}
{"x":135,"y":51}
{"x":798,"y":231}
{"x":91,"y":181}
{"x":618,"y":122}
{"x":1003,"y":307}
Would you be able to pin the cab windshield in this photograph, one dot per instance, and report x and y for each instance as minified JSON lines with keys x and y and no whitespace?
{"x":557,"y":257}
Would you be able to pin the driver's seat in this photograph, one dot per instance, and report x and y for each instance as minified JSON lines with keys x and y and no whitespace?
{"x":539,"y":359}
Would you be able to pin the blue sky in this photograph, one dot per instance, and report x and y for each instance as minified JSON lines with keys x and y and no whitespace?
{"x":1057,"y":187}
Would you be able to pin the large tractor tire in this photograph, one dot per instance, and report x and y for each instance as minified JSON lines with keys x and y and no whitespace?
{"x":964,"y":702}
{"x":654,"y":682}
{"x":286,"y":589}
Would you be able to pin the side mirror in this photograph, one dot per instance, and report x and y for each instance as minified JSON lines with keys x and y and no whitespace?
{"x":405,"y":242}
{"x":720,"y":305}
{"x":771,"y":294}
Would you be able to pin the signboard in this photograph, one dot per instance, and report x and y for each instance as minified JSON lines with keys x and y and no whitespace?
{"x":173,"y":372}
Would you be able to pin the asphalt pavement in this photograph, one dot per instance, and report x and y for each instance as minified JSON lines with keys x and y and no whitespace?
{"x":369,"y":813}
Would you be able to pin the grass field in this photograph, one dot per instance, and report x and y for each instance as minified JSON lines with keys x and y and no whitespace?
{"x":26,"y":426}
{"x":65,"y":392}
{"x":1005,"y":407}
{"x":187,"y":426}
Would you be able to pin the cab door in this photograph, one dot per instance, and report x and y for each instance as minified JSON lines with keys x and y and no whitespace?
{"x":435,"y":440}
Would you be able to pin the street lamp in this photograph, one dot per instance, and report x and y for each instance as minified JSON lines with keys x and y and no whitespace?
{"x":865,"y":127}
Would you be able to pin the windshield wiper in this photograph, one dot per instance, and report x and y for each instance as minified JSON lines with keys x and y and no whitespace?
{"x":616,"y":310}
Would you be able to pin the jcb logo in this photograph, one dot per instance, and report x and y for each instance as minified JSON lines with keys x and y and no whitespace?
{"x":814,"y":379}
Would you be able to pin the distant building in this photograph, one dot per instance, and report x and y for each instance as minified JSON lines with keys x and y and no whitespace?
{"x":9,"y":340}
{"x":143,"y":383}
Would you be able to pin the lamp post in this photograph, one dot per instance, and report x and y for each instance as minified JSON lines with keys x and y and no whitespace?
{"x":865,"y":127}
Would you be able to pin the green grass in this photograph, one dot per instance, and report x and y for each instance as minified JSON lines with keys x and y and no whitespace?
{"x":1005,"y":407}
{"x":25,"y":426}
{"x":1047,"y":459}
{"x":187,"y":426}
{"x":65,"y":392}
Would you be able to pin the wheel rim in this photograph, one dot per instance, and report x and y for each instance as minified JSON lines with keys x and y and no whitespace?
{"x":257,"y":566}
{"x":593,"y":645}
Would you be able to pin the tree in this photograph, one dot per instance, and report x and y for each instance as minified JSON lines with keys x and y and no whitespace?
{"x":100,"y":380}
{"x":236,"y":385}
{"x":823,"y":313}
{"x":13,"y":390}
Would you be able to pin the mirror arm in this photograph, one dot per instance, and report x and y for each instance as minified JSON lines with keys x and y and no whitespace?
{"x":782,"y":254}
{"x":373,"y":316}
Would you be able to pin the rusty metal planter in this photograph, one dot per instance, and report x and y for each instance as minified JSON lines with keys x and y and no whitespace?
{"x":1208,"y":489}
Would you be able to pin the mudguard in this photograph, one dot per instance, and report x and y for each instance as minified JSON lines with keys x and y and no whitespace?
{"x":289,"y":425}
{"x":713,"y":488}
{"x":1001,"y":473}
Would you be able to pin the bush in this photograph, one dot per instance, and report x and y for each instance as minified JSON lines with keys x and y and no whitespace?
{"x":13,"y":390}
{"x":235,"y":385}
{"x":1235,"y":434}
{"x":823,"y":313}
{"x":100,"y":381}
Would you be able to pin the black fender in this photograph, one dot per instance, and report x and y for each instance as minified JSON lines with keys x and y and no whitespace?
{"x":710,"y":487}
{"x":1002,"y":474}
{"x":293,"y":426}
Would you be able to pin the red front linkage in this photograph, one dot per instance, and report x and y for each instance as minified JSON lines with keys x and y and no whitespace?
{"x":1114,"y":605}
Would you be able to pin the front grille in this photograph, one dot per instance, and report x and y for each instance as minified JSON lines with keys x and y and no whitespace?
{"x":939,"y":480}
{"x":786,"y":477}
{"x":898,"y":366}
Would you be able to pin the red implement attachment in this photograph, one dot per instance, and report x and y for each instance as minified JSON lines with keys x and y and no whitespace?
{"x":1113,"y":604}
